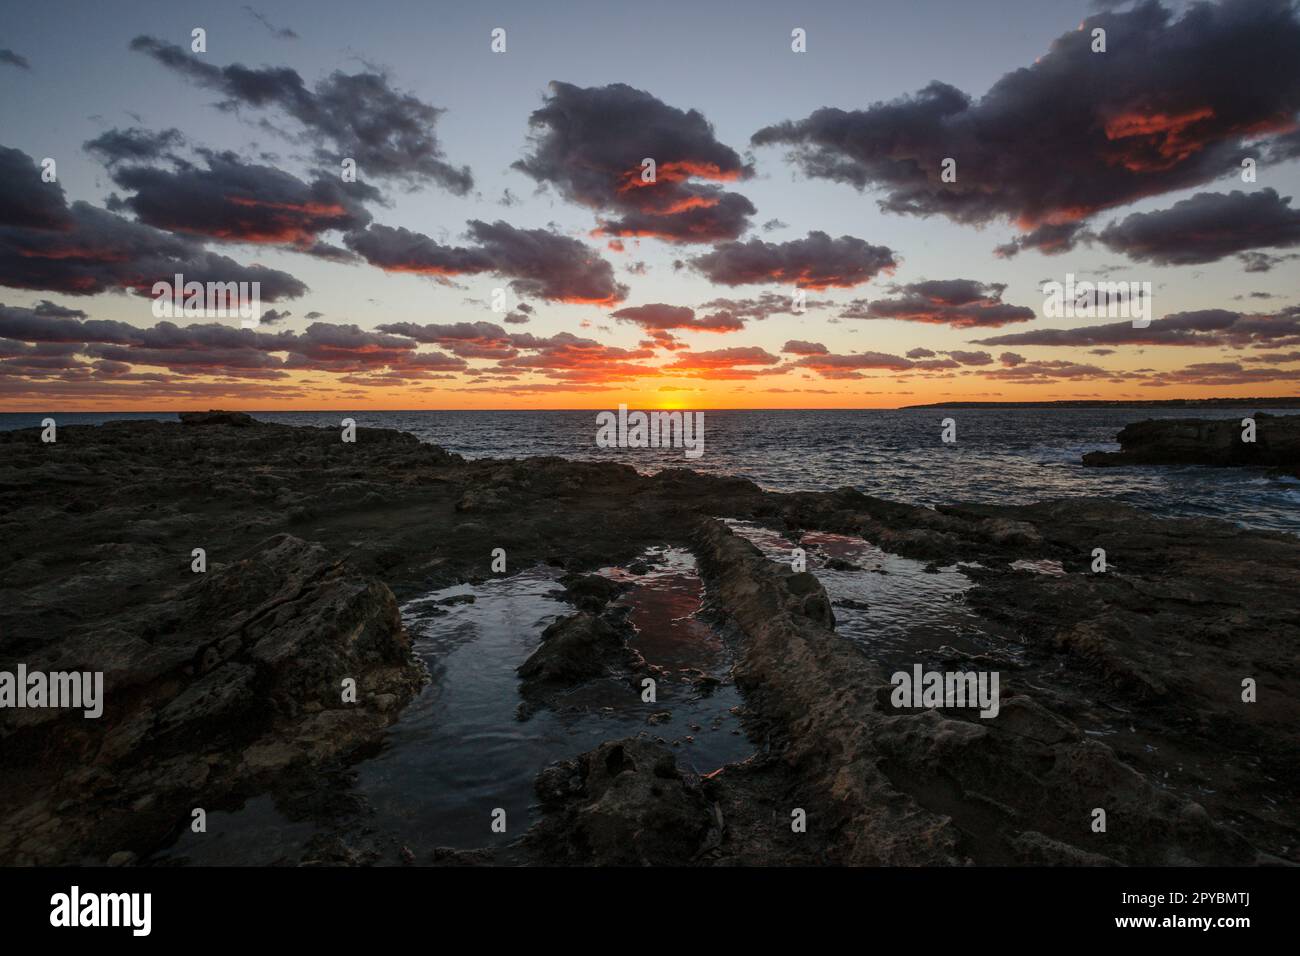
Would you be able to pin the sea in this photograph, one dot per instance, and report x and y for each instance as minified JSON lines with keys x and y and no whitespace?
{"x":1000,"y":455}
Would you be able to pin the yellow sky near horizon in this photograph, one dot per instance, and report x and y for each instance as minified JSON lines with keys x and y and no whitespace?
{"x":883,"y":393}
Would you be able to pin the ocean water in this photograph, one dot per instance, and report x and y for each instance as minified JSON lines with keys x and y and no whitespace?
{"x":1011,"y":456}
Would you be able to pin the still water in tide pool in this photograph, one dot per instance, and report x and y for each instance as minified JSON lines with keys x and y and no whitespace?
{"x":460,"y":750}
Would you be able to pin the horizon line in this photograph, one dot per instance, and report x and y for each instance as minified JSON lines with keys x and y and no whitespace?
{"x":1280,"y":400}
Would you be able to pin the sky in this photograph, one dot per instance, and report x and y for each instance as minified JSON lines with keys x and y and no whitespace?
{"x":851,"y":204}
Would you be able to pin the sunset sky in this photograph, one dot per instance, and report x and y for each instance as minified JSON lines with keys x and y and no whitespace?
{"x":776,"y":171}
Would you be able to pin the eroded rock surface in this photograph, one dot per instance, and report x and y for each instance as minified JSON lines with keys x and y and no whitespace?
{"x":210,"y":689}
{"x":577,"y":648}
{"x":890,"y":786}
{"x":1127,"y":693}
{"x":626,"y":803}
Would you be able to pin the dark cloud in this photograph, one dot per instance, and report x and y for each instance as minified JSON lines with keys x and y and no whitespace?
{"x":763,"y":305}
{"x":728,"y":358}
{"x":563,"y":355}
{"x":589,"y":143}
{"x":960,"y":303}
{"x":710,"y":214}
{"x":572,"y":359}
{"x":328,"y":252}
{"x":538,"y":262}
{"x":81,"y":249}
{"x":970,"y":358}
{"x":10,"y":58}
{"x":1169,"y":105}
{"x":660,"y":317}
{"x":1283,"y":148}
{"x":26,"y":201}
{"x":101,"y":252}
{"x":104,"y":381}
{"x":546,"y":265}
{"x":1275,"y":358}
{"x":398,"y":249}
{"x":1050,"y":239}
{"x":797,"y":347}
{"x":390,"y":134}
{"x":852,"y":366}
{"x":1263,"y":262}
{"x":274,"y":316}
{"x":1207,"y":227}
{"x":234,"y":201}
{"x":464,"y":339}
{"x":1204,"y":328}
{"x":47,"y":308}
{"x":135,"y":145}
{"x":1221,"y":373}
{"x":190,"y":361}
{"x":339,"y":348}
{"x":212,"y":348}
{"x":1024,"y":372}
{"x":50,"y":323}
{"x":937,"y":365}
{"x":280,"y":33}
{"x":740,"y":363}
{"x":815,"y":262}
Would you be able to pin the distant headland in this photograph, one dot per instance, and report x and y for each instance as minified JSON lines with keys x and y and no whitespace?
{"x":1282,"y":402}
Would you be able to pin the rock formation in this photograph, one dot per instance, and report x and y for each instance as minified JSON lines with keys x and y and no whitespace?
{"x":1201,"y":441}
{"x":1125,"y":692}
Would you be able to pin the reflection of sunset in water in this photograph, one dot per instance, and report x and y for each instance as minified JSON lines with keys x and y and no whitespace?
{"x":663,"y":606}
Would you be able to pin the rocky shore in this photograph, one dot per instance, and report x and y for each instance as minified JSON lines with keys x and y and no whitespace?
{"x":1121,"y":689}
{"x":1219,"y":442}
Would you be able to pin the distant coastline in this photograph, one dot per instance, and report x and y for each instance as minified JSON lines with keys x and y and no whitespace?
{"x":1291,"y":402}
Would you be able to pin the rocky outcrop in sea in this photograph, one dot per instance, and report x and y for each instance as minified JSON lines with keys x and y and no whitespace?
{"x":1260,"y":440}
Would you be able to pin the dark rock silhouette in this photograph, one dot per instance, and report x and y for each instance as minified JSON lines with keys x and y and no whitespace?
{"x":216,"y":417}
{"x":1204,"y":441}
